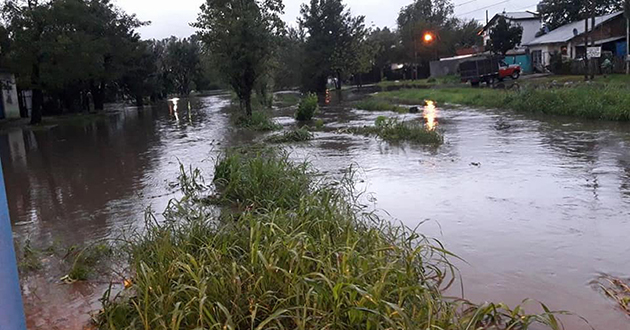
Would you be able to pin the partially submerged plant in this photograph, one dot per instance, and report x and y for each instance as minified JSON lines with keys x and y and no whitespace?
{"x":308,"y":108}
{"x":372,"y":104}
{"x":301,"y":255}
{"x":298,"y":135}
{"x":394,"y":130}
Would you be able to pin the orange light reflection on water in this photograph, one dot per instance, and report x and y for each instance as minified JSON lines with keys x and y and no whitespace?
{"x":430,"y":114}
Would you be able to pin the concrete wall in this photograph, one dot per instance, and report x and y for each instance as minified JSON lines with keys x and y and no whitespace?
{"x":546,"y":51}
{"x":10,"y":103}
{"x":530,"y":28}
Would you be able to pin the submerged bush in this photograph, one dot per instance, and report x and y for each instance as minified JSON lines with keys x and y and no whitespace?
{"x":308,"y":258}
{"x":258,"y":121}
{"x":298,"y":135}
{"x":393,"y":130}
{"x":308,"y":108}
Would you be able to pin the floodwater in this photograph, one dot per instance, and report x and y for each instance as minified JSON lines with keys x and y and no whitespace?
{"x":537,"y":206}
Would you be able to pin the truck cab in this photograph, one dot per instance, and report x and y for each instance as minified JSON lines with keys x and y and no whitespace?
{"x":509,"y":70}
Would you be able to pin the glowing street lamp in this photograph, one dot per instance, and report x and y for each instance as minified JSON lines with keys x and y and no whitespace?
{"x":428,"y":38}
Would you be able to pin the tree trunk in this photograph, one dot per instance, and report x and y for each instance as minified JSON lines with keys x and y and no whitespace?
{"x":586,"y":44}
{"x":37,"y":101}
{"x":98,"y":94}
{"x":139,"y":101}
{"x":248,"y":105}
{"x":627,"y":45}
{"x":338,"y":82}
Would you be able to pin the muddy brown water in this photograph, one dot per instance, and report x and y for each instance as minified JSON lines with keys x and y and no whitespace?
{"x":537,"y":206}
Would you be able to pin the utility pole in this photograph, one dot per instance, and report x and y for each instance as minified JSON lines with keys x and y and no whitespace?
{"x":586,"y":40}
{"x":593,"y":61}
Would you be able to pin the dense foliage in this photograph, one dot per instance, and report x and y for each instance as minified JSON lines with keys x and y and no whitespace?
{"x":307,"y":108}
{"x":242,"y":37}
{"x":505,"y":36}
{"x":560,"y":12}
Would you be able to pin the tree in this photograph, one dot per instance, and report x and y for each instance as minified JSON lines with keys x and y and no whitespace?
{"x":386,"y":50}
{"x":560,"y":12}
{"x":426,"y":16}
{"x":289,"y":62}
{"x":50,"y":40}
{"x":334,"y":45}
{"x":505,"y":36}
{"x":241,"y":36}
{"x":183,"y":63}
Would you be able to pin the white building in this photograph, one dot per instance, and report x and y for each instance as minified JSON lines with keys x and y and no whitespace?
{"x":530,"y":21}
{"x":9,"y":105}
{"x":568,"y":40}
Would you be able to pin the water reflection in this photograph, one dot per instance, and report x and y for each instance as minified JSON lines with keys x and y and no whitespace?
{"x":430,"y":114}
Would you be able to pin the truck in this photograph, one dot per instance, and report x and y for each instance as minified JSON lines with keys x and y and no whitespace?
{"x":487,"y":69}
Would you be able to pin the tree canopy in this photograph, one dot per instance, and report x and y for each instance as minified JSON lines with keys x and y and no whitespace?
{"x":560,"y":12}
{"x":505,"y":36}
{"x":335,"y":43}
{"x":241,"y":35}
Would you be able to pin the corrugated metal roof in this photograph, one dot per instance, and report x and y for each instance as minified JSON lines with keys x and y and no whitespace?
{"x":566,"y":32}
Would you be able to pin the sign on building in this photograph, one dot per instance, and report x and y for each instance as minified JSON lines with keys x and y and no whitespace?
{"x":594,"y":52}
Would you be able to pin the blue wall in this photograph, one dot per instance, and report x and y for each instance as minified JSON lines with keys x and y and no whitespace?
{"x":525,"y":61}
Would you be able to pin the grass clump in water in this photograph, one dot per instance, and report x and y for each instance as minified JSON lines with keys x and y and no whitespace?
{"x":86,"y":261}
{"x":298,"y":135}
{"x":308,"y":108}
{"x":312,"y":261}
{"x":394,"y":130}
{"x":372,"y":104}
{"x":258,"y":121}
{"x":266,"y":180}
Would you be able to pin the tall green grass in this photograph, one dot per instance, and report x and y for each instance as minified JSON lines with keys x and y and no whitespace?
{"x":394,"y":130}
{"x":593,"y":102}
{"x":303,"y":255}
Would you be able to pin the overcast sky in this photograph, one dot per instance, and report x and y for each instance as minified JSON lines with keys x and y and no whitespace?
{"x":172,"y":17}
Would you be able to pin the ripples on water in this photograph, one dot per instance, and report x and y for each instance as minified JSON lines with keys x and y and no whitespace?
{"x":536,"y":206}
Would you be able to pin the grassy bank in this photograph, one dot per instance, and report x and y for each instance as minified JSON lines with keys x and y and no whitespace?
{"x":594,"y":102}
{"x":394,"y":130}
{"x":294,"y":253}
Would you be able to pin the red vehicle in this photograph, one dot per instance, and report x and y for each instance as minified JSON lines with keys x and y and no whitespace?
{"x":512,"y":70}
{"x":488,"y":70}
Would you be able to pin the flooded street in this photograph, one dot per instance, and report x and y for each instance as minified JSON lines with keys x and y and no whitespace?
{"x":538,"y":207}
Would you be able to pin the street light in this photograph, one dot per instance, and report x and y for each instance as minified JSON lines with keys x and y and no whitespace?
{"x":428,"y":37}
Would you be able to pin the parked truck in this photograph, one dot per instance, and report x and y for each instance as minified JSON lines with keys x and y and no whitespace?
{"x":487,"y":69}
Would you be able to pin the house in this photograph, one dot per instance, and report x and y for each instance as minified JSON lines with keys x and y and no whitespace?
{"x":530,"y":21}
{"x":568,"y":40}
{"x":9,"y":105}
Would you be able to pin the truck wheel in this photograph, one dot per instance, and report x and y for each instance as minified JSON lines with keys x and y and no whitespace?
{"x":474,"y":83}
{"x":516,"y":75}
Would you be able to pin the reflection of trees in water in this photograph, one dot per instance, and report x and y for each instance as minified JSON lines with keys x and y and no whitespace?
{"x":70,"y":174}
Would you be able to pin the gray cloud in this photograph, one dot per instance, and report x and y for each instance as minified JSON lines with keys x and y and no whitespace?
{"x":173,"y":17}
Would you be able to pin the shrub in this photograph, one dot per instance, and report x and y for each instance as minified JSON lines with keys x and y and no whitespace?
{"x":308,"y":108}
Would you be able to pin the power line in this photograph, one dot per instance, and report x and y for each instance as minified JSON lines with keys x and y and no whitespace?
{"x":465,"y":3}
{"x":486,"y":7}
